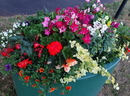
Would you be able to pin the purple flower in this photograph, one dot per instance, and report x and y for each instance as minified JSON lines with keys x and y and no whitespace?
{"x":27,"y":23}
{"x":8,"y":67}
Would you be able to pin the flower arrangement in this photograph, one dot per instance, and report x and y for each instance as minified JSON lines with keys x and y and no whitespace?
{"x":62,"y":46}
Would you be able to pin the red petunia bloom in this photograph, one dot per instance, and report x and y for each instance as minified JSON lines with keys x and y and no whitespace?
{"x":68,"y":87}
{"x":54,"y":47}
{"x":23,"y":63}
{"x":26,"y":78}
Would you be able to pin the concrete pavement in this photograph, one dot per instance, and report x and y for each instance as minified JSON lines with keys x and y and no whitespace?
{"x":28,"y":7}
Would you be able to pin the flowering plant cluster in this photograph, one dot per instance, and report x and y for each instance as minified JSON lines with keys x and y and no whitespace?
{"x":59,"y":47}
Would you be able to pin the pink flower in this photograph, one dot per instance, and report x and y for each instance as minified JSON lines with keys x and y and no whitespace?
{"x":47,"y":32}
{"x":74,"y":27}
{"x":97,"y":9}
{"x":84,"y":31}
{"x":87,"y":39}
{"x":62,"y":29}
{"x":98,"y":1}
{"x":47,"y":19}
{"x":59,"y":24}
{"x":87,"y":1}
{"x":45,"y":23}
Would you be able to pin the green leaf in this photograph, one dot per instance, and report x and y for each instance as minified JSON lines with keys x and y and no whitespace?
{"x":67,"y":52}
{"x":47,"y":11}
{"x":68,"y":35}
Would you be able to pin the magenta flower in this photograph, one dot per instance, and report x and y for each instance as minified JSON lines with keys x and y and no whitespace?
{"x":87,"y":39}
{"x":74,"y":27}
{"x":59,"y":24}
{"x":47,"y":32}
{"x":116,"y":25}
{"x":113,"y":23}
{"x":62,"y":29}
{"x":8,"y":67}
{"x":97,"y":9}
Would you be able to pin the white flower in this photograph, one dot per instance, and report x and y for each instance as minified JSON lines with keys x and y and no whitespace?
{"x":122,"y":23}
{"x":2,"y":37}
{"x":14,"y":34}
{"x":3,"y":45}
{"x":23,"y":24}
{"x":5,"y":34}
{"x":94,"y":5}
{"x":10,"y":31}
{"x":14,"y":25}
{"x":89,"y":9}
{"x":10,"y":35}
{"x":106,"y":17}
{"x":99,"y":19}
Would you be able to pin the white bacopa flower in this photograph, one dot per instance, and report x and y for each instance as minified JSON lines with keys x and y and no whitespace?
{"x":2,"y":37}
{"x":14,"y":34}
{"x":3,"y":45}
{"x":99,"y":19}
{"x":10,"y":31}
{"x":106,"y":17}
{"x":5,"y":34}
{"x":94,"y":5}
{"x":10,"y":35}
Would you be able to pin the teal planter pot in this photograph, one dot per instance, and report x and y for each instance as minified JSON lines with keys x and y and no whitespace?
{"x":89,"y":85}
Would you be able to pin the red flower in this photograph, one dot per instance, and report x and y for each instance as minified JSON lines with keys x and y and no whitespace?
{"x":41,"y":70}
{"x":57,"y":10}
{"x":23,"y":63}
{"x":36,"y":45}
{"x":39,"y":91}
{"x":34,"y":85}
{"x":4,"y":54}
{"x":54,"y":47}
{"x":17,"y":46}
{"x":30,"y":62}
{"x":43,"y":77}
{"x":51,"y":71}
{"x":26,"y":78}
{"x":68,"y":87}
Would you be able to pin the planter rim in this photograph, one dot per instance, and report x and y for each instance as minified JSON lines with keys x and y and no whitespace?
{"x":107,"y":67}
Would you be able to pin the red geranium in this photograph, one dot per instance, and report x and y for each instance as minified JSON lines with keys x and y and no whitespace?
{"x":54,"y":47}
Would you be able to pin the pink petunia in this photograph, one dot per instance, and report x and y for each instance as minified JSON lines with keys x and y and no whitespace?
{"x":62,"y":29}
{"x":87,"y":1}
{"x":45,"y":23}
{"x":87,"y":39}
{"x":47,"y":32}
{"x":97,"y":9}
{"x":74,"y":27}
